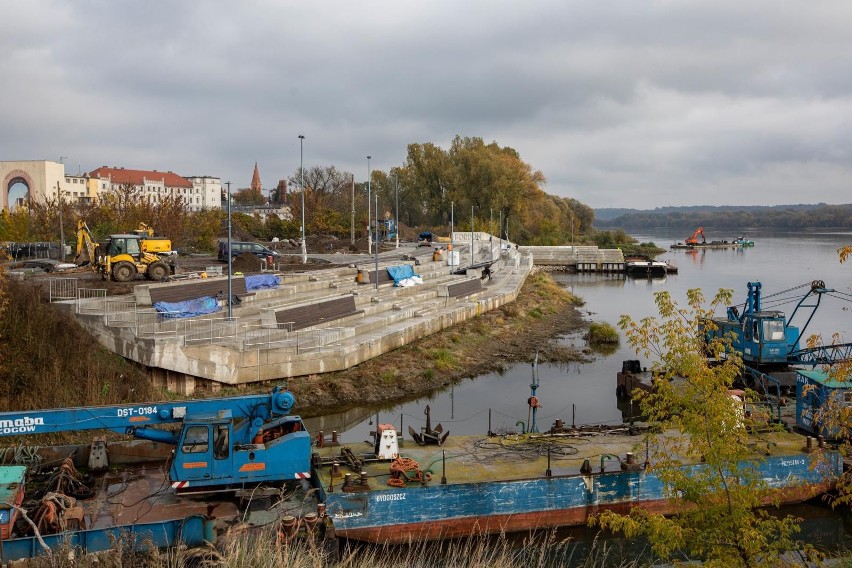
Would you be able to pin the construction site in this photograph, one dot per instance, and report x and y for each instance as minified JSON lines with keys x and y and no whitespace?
{"x":306,"y":322}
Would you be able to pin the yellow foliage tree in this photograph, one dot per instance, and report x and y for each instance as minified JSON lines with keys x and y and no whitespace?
{"x":695,"y":420}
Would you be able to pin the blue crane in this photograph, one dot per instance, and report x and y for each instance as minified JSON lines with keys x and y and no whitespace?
{"x":223,"y":443}
{"x":766,"y":337}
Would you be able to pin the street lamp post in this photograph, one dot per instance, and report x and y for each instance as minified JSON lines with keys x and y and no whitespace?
{"x":369,"y":203}
{"x":491,"y":234}
{"x":302,"y":183}
{"x":452,"y":221}
{"x":230,"y":286}
{"x":471,"y":235}
{"x":61,"y":228}
{"x":396,"y":221}
{"x":377,"y":242}
{"x":352,"y":217}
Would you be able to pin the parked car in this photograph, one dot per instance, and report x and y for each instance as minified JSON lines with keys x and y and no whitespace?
{"x":239,"y":247}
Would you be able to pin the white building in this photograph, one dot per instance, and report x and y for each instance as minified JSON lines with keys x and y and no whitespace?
{"x":151,"y":185}
{"x":207,"y":193}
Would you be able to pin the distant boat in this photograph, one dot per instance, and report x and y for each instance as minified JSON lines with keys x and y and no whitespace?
{"x":744,"y":241}
{"x":645,"y":266}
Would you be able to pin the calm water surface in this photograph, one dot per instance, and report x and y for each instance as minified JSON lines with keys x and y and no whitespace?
{"x":585,"y":393}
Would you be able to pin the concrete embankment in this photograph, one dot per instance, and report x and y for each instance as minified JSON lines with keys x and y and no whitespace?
{"x":208,"y":352}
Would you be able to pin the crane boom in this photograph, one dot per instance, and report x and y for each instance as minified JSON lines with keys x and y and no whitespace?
{"x":128,"y":418}
{"x":223,"y":443}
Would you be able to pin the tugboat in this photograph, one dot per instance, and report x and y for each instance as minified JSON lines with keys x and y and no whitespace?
{"x":744,"y":241}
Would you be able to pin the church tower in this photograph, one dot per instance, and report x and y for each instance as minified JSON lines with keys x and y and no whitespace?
{"x":255,"y":181}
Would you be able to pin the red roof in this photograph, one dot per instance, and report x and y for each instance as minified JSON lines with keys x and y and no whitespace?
{"x":138,"y":177}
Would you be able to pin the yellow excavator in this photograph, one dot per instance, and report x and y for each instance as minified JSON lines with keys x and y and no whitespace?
{"x":124,"y":256}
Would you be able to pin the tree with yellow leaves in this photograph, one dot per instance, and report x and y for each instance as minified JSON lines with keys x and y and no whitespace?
{"x":696,"y":420}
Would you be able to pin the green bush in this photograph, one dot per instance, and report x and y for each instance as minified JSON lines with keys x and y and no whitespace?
{"x":602,"y":333}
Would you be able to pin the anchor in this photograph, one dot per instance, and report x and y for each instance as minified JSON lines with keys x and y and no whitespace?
{"x":427,"y":435}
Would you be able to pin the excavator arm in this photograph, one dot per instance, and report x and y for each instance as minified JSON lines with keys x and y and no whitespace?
{"x":693,"y":240}
{"x":87,"y":247}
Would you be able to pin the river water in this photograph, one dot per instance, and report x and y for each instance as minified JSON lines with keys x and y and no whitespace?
{"x":585,"y":393}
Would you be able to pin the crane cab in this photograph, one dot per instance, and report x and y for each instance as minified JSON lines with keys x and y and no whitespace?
{"x":218,"y":451}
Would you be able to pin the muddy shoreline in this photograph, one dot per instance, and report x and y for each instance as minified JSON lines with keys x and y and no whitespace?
{"x":491,"y":342}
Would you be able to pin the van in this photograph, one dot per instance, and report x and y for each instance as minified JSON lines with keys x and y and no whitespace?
{"x":239,"y":247}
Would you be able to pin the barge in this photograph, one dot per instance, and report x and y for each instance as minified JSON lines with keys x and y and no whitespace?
{"x":428,"y":486}
{"x":487,"y":485}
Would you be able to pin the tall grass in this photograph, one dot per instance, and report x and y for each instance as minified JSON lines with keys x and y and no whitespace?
{"x":49,"y":361}
{"x":263,"y":550}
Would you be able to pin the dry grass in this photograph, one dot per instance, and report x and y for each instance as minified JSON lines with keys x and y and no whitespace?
{"x":49,"y":361}
{"x":262,"y":550}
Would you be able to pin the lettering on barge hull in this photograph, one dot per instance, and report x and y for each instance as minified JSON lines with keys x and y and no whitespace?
{"x":494,"y":524}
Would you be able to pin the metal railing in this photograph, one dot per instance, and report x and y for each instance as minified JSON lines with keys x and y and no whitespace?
{"x":308,"y":340}
{"x":91,"y":301}
{"x":263,"y":336}
{"x":119,"y":311}
{"x":63,"y":289}
{"x":209,"y":331}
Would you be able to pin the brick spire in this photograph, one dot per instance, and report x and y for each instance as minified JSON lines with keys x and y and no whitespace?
{"x":255,"y":180}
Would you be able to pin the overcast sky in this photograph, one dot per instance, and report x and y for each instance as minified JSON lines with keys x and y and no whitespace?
{"x":618,"y":103}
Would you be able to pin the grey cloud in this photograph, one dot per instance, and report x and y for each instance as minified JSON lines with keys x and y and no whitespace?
{"x":617,"y":103}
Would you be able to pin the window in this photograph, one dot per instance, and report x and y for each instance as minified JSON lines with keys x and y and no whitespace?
{"x":67,"y":180}
{"x":773,"y":330}
{"x":196,"y":440}
{"x":221,"y":448}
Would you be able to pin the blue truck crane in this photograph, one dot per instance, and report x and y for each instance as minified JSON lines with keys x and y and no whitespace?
{"x":766,"y":338}
{"x":222,"y":444}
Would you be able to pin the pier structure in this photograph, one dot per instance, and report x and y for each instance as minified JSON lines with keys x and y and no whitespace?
{"x":580,"y":258}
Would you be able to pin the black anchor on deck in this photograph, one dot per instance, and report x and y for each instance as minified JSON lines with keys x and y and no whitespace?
{"x":427,"y":435}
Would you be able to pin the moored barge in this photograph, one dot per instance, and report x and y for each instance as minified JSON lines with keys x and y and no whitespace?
{"x":483,"y":485}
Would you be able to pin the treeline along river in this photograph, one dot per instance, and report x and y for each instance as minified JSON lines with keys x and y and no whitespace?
{"x":585,"y":393}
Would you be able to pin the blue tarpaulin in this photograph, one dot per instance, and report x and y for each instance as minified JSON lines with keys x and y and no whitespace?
{"x":188,"y":308}
{"x":258,"y":281}
{"x":400,"y":272}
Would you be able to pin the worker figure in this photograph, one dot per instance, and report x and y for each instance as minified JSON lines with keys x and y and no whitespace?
{"x":486,"y":273}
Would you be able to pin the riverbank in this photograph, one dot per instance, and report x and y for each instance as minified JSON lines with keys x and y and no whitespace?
{"x":488,"y":343}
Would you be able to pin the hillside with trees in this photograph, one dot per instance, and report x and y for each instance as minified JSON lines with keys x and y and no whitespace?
{"x":736,"y":218}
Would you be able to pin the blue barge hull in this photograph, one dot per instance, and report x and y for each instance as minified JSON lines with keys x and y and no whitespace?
{"x":189,"y":531}
{"x":465,"y":505}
